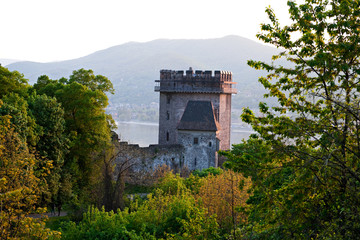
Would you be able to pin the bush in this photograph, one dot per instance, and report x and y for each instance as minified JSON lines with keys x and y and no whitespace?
{"x":207,"y":171}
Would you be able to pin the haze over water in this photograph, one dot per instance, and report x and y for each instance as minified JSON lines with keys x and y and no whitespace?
{"x":147,"y":133}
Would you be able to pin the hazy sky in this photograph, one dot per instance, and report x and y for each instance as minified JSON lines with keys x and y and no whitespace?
{"x":53,"y":30}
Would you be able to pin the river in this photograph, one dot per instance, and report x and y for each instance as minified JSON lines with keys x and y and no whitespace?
{"x":147,"y":133}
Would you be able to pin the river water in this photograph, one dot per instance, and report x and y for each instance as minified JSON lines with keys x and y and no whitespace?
{"x":147,"y":133}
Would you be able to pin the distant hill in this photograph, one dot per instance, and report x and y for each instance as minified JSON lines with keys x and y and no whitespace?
{"x":5,"y":61}
{"x":133,"y":67}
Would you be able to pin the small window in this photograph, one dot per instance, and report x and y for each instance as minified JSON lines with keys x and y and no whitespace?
{"x":168,"y":99}
{"x":210,"y":144}
{"x":196,"y":140}
{"x":167,"y":115}
{"x":167,"y":136}
{"x":195,"y":162}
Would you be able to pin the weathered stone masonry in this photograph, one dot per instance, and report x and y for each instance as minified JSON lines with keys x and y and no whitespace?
{"x":194,"y":119}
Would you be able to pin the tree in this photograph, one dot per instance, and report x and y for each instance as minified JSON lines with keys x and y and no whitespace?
{"x":223,"y":195}
{"x":87,"y":129}
{"x":12,"y":82}
{"x":52,"y":144}
{"x":117,"y":161}
{"x":87,"y":78}
{"x":20,"y":187}
{"x":315,"y":127}
{"x":87,"y":122}
{"x":17,"y":107}
{"x":84,"y":100}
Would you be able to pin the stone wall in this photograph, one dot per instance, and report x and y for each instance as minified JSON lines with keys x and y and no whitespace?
{"x":200,"y":149}
{"x":150,"y":157}
{"x":187,"y":155}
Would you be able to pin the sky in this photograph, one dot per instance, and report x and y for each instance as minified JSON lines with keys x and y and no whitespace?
{"x":56,"y":30}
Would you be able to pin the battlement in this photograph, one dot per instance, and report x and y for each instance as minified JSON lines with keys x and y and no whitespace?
{"x":222,"y":76}
{"x":198,"y":81}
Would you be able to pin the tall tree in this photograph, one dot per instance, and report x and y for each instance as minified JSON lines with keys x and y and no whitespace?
{"x":20,"y":187}
{"x":84,"y":100}
{"x":315,"y":127}
{"x":53,"y":143}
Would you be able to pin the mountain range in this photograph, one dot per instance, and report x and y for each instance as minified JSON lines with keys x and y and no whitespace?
{"x":133,"y":66}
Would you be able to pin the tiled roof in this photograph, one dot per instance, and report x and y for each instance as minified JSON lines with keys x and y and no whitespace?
{"x":198,"y":115}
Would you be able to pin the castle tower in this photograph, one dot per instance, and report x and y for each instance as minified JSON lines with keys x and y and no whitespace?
{"x":180,"y":93}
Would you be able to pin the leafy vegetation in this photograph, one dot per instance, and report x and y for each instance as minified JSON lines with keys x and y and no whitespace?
{"x":21,"y":185}
{"x":297,"y":178}
{"x":50,"y":139}
{"x":171,"y":211}
{"x":305,"y":163}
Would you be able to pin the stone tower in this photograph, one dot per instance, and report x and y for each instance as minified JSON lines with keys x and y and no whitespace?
{"x":194,"y":104}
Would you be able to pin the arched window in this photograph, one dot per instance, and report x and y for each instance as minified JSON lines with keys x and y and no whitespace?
{"x":167,"y":136}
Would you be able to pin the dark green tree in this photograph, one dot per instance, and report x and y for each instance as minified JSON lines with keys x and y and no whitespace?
{"x":83,"y":99}
{"x":17,"y":107}
{"x":12,"y":82}
{"x":315,"y":127}
{"x":84,"y":102}
{"x":53,"y":143}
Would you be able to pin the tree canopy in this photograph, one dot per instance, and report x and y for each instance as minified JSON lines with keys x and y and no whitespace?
{"x":312,"y":135}
{"x":51,"y":135}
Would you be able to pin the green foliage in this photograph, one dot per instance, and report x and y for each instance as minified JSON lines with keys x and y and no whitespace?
{"x":172,"y":184}
{"x":17,"y":107}
{"x":64,"y":123}
{"x":52,"y":144}
{"x":20,"y":187}
{"x":88,"y":79}
{"x":161,"y":216}
{"x":12,"y":82}
{"x":305,"y":164}
{"x":49,"y":117}
{"x":172,"y":211}
{"x":98,"y":224}
{"x":205,"y":172}
{"x":83,"y":100}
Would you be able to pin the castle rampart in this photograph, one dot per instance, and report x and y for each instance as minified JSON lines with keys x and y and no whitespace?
{"x":196,"y":82}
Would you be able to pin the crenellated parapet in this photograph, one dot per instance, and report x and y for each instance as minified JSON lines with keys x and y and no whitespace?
{"x":195,"y":81}
{"x":197,"y":75}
